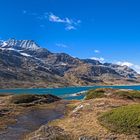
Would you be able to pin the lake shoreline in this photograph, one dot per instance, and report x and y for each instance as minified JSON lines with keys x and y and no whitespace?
{"x":68,"y":93}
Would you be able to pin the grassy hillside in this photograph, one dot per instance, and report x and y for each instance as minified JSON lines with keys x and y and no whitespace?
{"x":109,"y":92}
{"x":124,"y":119}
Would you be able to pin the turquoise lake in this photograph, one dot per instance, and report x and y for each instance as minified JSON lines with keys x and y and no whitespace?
{"x":66,"y":93}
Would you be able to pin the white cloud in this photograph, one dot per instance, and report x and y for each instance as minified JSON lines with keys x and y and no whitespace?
{"x":129,"y":64}
{"x":54,"y":18}
{"x":125,"y":63}
{"x":24,"y":11}
{"x":101,"y":59}
{"x":96,"y":51}
{"x":137,"y":68}
{"x":70,"y":27}
{"x":61,"y":45}
{"x":70,"y":24}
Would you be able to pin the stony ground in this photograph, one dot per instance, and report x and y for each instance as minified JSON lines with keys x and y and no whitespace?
{"x":7,"y":111}
{"x":80,"y":121}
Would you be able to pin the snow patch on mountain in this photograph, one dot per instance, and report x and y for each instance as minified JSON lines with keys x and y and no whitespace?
{"x":20,"y":44}
{"x":63,"y":64}
{"x":25,"y":54}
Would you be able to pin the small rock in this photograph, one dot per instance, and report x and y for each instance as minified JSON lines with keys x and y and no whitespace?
{"x":88,"y":138}
{"x":78,"y":108}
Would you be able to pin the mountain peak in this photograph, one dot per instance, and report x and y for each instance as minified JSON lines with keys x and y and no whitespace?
{"x":28,"y":47}
{"x":22,"y":44}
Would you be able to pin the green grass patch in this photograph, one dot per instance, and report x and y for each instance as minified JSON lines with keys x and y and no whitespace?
{"x":124,"y":119}
{"x":132,"y":94}
{"x":96,"y":93}
{"x":109,"y":92}
{"x":92,"y":95}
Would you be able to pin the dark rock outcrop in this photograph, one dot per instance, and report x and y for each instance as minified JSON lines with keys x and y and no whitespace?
{"x":32,"y":99}
{"x":46,"y":132}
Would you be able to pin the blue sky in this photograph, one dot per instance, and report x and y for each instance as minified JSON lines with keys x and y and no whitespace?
{"x":108,"y":30}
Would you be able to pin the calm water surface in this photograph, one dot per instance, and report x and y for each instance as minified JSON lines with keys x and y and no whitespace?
{"x":66,"y":93}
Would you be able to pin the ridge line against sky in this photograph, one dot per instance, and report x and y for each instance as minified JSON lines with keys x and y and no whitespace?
{"x":107,"y":31}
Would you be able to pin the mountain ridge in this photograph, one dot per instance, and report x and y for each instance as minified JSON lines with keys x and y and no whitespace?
{"x":25,"y":64}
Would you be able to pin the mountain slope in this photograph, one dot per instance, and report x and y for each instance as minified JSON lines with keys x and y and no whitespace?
{"x":23,"y":63}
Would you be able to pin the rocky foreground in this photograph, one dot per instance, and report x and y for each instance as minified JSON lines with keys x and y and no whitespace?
{"x":104,"y":114}
{"x":92,"y":119}
{"x":21,"y":114}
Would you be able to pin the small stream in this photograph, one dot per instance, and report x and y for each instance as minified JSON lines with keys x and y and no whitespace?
{"x":31,"y":121}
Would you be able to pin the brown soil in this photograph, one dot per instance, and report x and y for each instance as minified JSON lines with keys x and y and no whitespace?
{"x":82,"y":121}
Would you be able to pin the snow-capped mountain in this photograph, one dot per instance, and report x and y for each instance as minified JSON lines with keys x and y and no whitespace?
{"x":20,"y":44}
{"x":24,"y":47}
{"x":123,"y":70}
{"x":23,"y":63}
